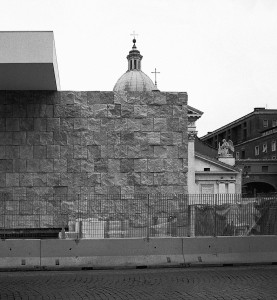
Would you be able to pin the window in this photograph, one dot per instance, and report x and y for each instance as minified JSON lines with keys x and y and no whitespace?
{"x":257,"y":150}
{"x":135,"y":64}
{"x":237,"y":155}
{"x":264,"y":168}
{"x":274,"y":123}
{"x":273,"y":146}
{"x":265,"y":123}
{"x":265,"y":148}
{"x":207,"y":169}
{"x":243,"y":154}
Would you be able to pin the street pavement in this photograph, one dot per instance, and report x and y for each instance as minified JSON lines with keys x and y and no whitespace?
{"x":255,"y":282}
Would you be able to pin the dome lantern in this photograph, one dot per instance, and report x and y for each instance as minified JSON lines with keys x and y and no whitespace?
{"x":134,"y":80}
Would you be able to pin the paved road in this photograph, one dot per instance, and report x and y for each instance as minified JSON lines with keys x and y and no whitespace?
{"x":186,"y":283}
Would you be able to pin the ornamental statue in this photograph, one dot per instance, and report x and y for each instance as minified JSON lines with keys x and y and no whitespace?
{"x":226,"y":149}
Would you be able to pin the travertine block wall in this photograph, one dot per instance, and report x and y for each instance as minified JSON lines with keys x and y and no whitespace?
{"x":92,"y":142}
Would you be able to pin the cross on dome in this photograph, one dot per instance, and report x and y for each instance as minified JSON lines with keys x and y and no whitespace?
{"x":156,"y":76}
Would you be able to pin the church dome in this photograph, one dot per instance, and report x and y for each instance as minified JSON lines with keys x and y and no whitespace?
{"x":134,"y":80}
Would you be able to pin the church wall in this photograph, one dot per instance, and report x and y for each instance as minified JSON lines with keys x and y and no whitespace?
{"x":92,"y":142}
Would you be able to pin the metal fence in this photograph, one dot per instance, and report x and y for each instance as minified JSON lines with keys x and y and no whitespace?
{"x":129,"y":216}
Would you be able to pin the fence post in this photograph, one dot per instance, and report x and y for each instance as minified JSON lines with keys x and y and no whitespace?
{"x":192,"y":216}
{"x":215,"y":203}
{"x":148,"y":221}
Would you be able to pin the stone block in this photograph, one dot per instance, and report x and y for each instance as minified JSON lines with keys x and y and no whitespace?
{"x":126,"y":165}
{"x":19,"y":138}
{"x":159,"y":178}
{"x":140,"y":111}
{"x":100,"y":165}
{"x":134,"y":151}
{"x":107,"y":151}
{"x":127,"y":110}
{"x":87,"y":165}
{"x":33,"y":165}
{"x":127,"y":138}
{"x":113,"y":166}
{"x":179,"y":111}
{"x":46,"y":138}
{"x":6,"y":138}
{"x":120,"y":151}
{"x":93,"y":178}
{"x":80,"y":151}
{"x":94,"y":151}
{"x":120,"y":179}
{"x":26,"y":179}
{"x":113,"y":110}
{"x":166,"y":138}
{"x":53,"y":124}
{"x":20,"y":165}
{"x":74,"y":165}
{"x":93,"y":97}
{"x":12,"y":179}
{"x":19,"y":110}
{"x":147,"y":178}
{"x":81,"y":98}
{"x":87,"y":138}
{"x":60,"y":137}
{"x":155,"y":165}
{"x":100,"y":138}
{"x":12,"y":151}
{"x":126,"y":189}
{"x":147,"y":124}
{"x":166,"y":189}
{"x":172,"y":124}
{"x":133,"y":178}
{"x":80,"y":124}
{"x":147,"y":151}
{"x":159,"y":99}
{"x":154,"y":138}
{"x":40,"y":179}
{"x":172,"y":151}
{"x":67,"y":151}
{"x":46,"y":165}
{"x":133,"y":124}
{"x":120,"y":97}
{"x":106,"y":98}
{"x":178,"y":138}
{"x":33,"y":138}
{"x":183,"y":151}
{"x":40,"y":124}
{"x":113,"y":138}
{"x":107,"y":124}
{"x":60,"y":190}
{"x":26,"y":124}
{"x":100,"y":110}
{"x":12,"y":124}
{"x":2,"y":124}
{"x":66,"y":179}
{"x":40,"y":152}
{"x":53,"y":151}
{"x":94,"y":124}
{"x":120,"y":124}
{"x":66,"y":124}
{"x":161,"y":152}
{"x":2,"y":180}
{"x":67,"y":97}
{"x":60,"y":165}
{"x":183,"y":125}
{"x":171,"y":178}
{"x":2,"y":152}
{"x":26,"y":152}
{"x":160,"y":124}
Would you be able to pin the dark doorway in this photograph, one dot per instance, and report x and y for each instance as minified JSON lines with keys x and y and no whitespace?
{"x":253,"y":189}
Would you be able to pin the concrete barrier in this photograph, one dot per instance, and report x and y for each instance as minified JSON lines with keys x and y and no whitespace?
{"x":135,"y":252}
{"x":20,"y":254}
{"x":107,"y":253}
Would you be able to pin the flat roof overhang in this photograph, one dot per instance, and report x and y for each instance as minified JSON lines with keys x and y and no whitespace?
{"x":28,"y":61}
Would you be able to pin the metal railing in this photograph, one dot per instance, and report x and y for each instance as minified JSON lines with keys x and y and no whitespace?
{"x":141,"y":216}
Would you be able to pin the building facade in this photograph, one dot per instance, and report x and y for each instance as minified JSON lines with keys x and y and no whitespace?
{"x":254,"y":137}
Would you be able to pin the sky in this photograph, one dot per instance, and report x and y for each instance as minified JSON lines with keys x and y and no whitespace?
{"x":223,"y":53}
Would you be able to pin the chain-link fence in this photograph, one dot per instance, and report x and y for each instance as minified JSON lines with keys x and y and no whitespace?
{"x":129,"y":216}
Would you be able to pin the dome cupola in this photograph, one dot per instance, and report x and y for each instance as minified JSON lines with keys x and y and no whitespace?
{"x":134,"y":80}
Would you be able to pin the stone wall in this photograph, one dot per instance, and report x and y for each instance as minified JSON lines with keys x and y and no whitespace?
{"x":92,"y":142}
